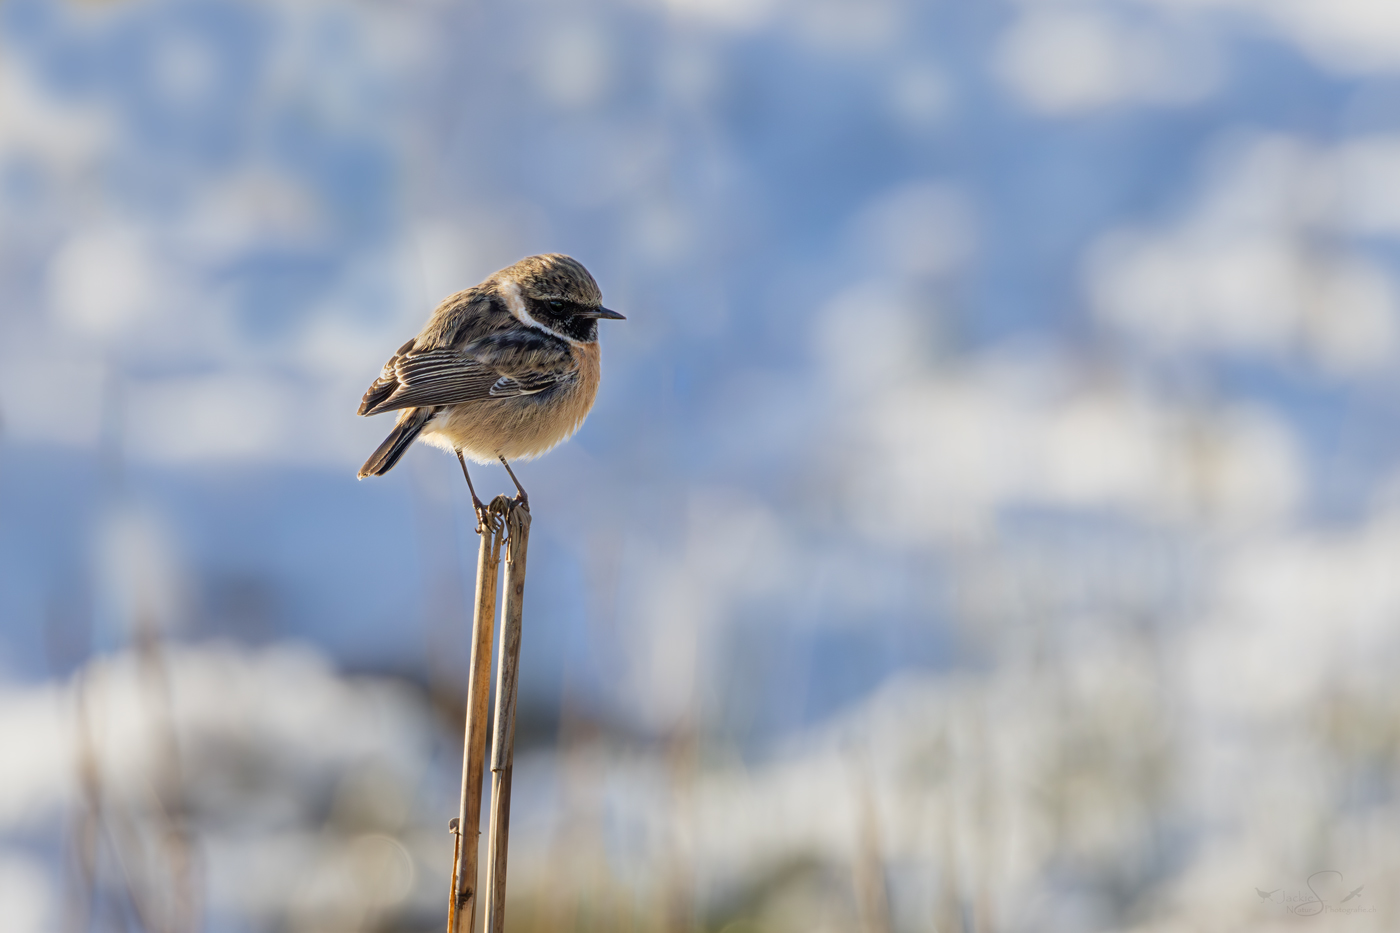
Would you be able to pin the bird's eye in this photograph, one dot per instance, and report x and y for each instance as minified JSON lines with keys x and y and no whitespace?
{"x":556,"y":304}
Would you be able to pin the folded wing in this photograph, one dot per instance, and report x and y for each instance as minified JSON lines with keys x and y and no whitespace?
{"x":500,"y":366}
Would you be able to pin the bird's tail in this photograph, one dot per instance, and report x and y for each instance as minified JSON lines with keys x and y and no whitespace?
{"x":411,"y":422}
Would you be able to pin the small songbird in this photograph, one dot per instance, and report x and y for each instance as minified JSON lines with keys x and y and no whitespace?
{"x":502,"y":371}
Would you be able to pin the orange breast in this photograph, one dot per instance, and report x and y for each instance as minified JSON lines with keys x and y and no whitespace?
{"x":520,"y":427}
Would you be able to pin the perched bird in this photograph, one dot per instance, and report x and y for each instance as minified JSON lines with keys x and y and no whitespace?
{"x":502,"y":371}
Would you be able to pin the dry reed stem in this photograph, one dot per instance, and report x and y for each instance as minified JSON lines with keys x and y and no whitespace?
{"x":682,"y":762}
{"x":507,"y":688}
{"x":157,"y":881}
{"x":184,"y":907}
{"x":872,"y":896}
{"x":868,"y":865}
{"x":466,"y":852}
{"x":88,"y":824}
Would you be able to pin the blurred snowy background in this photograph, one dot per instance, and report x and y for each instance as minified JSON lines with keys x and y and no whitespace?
{"x":989,"y":520}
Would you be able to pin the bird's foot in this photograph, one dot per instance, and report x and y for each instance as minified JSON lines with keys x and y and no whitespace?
{"x":483,"y":514}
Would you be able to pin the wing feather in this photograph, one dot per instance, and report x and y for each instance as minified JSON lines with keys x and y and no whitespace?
{"x":528,"y":383}
{"x":503,"y":365}
{"x":384,"y":386}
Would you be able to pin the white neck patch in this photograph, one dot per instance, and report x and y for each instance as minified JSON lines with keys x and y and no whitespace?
{"x":515,"y":301}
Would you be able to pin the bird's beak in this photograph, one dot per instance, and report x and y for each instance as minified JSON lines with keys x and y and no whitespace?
{"x":610,"y":315}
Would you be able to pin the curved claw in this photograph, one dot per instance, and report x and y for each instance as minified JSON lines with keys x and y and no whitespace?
{"x":482,"y":519}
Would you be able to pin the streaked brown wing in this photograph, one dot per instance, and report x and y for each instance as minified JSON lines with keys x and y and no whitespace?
{"x":384,"y":386}
{"x":499,"y":366}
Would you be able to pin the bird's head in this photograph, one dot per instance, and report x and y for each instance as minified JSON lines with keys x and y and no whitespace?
{"x":556,"y":293}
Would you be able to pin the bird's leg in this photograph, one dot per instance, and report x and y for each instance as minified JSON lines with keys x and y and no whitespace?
{"x":524,"y":497}
{"x":477,"y":504}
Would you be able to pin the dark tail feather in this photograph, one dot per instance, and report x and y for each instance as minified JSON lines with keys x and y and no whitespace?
{"x":398,"y":441}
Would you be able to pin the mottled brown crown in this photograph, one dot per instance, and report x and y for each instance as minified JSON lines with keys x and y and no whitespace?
{"x":553,"y":276}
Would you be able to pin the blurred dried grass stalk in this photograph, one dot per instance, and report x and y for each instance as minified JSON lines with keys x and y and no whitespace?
{"x":152,"y":867}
